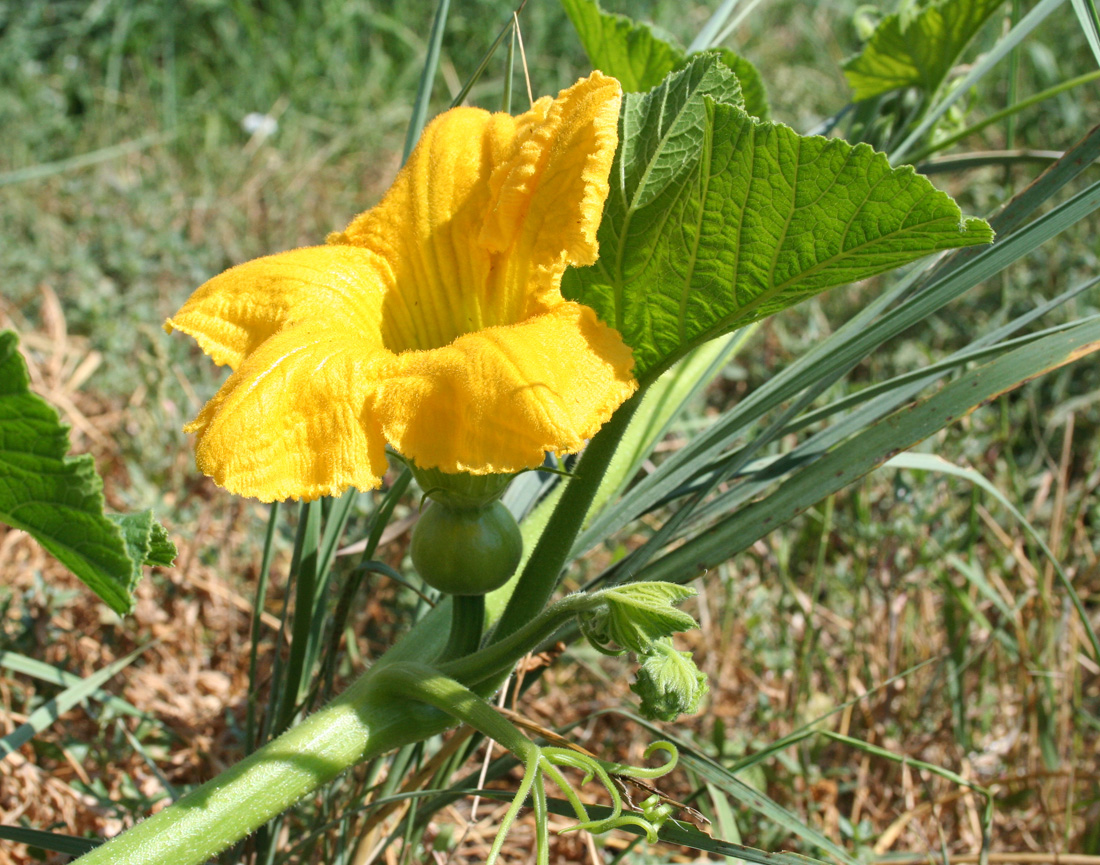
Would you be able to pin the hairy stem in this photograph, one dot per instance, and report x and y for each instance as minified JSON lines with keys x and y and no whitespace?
{"x":467,"y":621}
{"x":540,"y":576}
{"x":363,"y":722}
{"x":498,"y":658}
{"x":375,"y":715}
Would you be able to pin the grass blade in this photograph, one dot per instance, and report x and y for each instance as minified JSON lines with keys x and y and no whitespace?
{"x":870,"y":449}
{"x":427,"y":77}
{"x":84,"y":160}
{"x":833,"y":358}
{"x":1090,"y":24}
{"x":71,"y":845}
{"x":50,"y":711}
{"x":933,"y":463}
{"x":55,"y":676}
{"x":705,"y":38}
{"x":978,"y":71}
{"x":716,"y":774}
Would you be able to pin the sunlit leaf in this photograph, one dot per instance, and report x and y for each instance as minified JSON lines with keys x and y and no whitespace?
{"x":58,"y":499}
{"x":716,"y":220}
{"x":637,"y":615}
{"x":619,"y":46}
{"x":916,"y":47}
{"x":640,"y":57}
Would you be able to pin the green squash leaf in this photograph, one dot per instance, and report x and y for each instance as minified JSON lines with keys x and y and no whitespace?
{"x":668,"y":683}
{"x":58,"y":499}
{"x":753,"y":93}
{"x":619,"y":46}
{"x":660,"y":134}
{"x":916,"y":47}
{"x":636,"y":616}
{"x":716,"y":220}
{"x":641,"y":58}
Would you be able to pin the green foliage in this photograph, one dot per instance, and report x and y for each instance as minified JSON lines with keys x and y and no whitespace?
{"x":640,"y":58}
{"x":58,"y":499}
{"x":636,"y":616}
{"x":917,"y":46}
{"x":717,"y":220}
{"x":641,"y":617}
{"x":150,"y":225}
{"x":752,"y":83}
{"x":621,"y":46}
{"x":669,"y":684}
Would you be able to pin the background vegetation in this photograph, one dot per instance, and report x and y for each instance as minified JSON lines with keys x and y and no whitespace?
{"x":128,"y":176}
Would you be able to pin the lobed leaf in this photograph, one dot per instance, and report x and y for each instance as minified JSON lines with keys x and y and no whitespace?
{"x":619,"y":46}
{"x":916,"y":47}
{"x":640,"y":58}
{"x":716,"y":220}
{"x":636,"y":616}
{"x":58,"y":499}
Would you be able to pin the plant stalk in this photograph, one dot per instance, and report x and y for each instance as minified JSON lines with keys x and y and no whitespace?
{"x":467,"y":622}
{"x":363,"y":722}
{"x":370,"y":718}
{"x":540,"y":576}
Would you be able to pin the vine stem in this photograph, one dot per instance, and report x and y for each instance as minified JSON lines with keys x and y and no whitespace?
{"x":363,"y":722}
{"x":467,"y":621}
{"x":375,"y":715}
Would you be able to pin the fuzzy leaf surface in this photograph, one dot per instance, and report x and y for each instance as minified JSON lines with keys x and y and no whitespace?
{"x":668,"y":683}
{"x":58,"y":499}
{"x":716,"y":220}
{"x":636,"y":616}
{"x":916,"y":47}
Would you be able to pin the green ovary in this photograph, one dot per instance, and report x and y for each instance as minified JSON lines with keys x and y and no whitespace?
{"x":468,"y":551}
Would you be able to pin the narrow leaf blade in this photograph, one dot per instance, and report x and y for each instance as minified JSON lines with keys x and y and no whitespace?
{"x":50,"y":711}
{"x":871,"y":448}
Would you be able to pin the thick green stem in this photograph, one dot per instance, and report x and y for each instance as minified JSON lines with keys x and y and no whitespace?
{"x":498,"y":658}
{"x":372,"y":717}
{"x":540,"y":576}
{"x":365,"y":721}
{"x":426,"y":684}
{"x":467,"y":622}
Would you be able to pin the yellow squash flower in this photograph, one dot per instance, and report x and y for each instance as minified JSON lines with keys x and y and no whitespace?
{"x":433,"y":322}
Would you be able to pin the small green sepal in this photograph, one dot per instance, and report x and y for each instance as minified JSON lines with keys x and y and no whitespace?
{"x":459,"y":490}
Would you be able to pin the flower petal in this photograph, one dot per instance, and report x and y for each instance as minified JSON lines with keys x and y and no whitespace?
{"x":233,"y":313}
{"x":488,"y":211}
{"x":426,"y":225}
{"x":496,"y":400}
{"x":548,"y":199}
{"x":291,"y":421}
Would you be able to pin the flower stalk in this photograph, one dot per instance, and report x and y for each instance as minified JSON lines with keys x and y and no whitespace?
{"x":540,"y":577}
{"x":467,"y":622}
